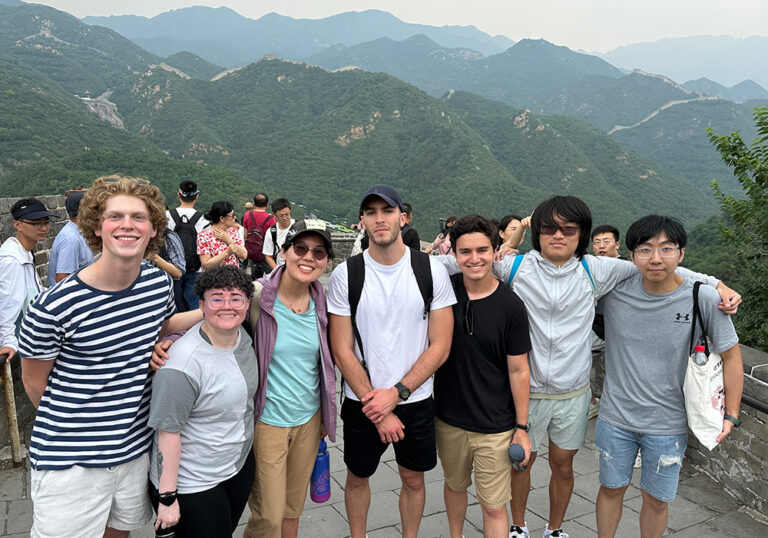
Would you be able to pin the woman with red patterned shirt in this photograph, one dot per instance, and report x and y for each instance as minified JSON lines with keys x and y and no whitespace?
{"x":222,"y":242}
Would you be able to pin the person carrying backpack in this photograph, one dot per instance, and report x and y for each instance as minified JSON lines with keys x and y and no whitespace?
{"x":387,"y":341}
{"x":257,"y":222}
{"x":187,"y":223}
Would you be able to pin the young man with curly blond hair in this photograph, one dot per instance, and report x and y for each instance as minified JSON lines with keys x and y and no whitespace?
{"x":85,"y":346}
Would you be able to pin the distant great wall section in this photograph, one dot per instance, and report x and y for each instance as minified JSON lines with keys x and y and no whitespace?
{"x":740,"y":464}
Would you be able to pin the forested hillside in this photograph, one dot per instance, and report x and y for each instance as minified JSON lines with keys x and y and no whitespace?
{"x":316,"y":136}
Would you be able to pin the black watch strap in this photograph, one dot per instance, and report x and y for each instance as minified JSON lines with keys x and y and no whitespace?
{"x":736,"y":421}
{"x":167,"y":499}
{"x":524,"y":427}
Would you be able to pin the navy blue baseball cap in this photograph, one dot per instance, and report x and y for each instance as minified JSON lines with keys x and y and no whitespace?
{"x":34,"y":210}
{"x":73,"y":202}
{"x":386,"y":193}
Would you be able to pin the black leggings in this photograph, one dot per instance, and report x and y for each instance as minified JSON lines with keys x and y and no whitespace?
{"x":214,"y":512}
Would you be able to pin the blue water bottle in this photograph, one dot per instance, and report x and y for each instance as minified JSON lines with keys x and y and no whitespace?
{"x":320,"y":484}
{"x":517,"y":454}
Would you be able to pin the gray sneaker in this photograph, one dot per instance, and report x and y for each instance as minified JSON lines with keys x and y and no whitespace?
{"x":518,"y":532}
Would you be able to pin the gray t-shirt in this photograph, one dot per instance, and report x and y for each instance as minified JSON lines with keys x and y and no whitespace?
{"x":647,"y":340}
{"x":205,"y":394}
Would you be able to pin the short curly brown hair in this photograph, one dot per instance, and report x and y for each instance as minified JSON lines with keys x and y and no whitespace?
{"x":95,"y":201}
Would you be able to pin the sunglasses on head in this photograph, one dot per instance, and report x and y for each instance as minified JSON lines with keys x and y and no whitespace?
{"x":301,"y":249}
{"x":139,"y":181}
{"x":568,"y":231}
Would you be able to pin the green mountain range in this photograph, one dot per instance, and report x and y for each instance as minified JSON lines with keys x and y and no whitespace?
{"x":316,"y":136}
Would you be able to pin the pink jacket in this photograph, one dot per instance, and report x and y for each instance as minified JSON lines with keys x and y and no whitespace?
{"x":264,"y":343}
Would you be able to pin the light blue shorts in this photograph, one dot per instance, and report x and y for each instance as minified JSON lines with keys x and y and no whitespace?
{"x":564,"y":420}
{"x":662,"y":457}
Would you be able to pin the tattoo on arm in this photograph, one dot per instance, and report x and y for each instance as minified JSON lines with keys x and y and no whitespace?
{"x":159,"y":464}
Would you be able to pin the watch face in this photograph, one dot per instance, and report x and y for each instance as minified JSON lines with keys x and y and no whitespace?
{"x":405,"y":393}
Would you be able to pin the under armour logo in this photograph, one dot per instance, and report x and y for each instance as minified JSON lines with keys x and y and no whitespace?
{"x":684,"y":318}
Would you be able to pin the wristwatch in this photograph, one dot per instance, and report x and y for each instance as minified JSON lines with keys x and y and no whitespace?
{"x":736,"y":421}
{"x":524,"y":427}
{"x":168,"y":499}
{"x":403,"y":391}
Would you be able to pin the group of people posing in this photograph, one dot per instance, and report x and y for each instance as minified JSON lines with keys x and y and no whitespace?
{"x":455,"y":356}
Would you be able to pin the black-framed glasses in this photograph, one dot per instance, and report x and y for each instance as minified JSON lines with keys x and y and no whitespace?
{"x":236,"y":302}
{"x":664,"y":252}
{"x":568,"y":230}
{"x":469,"y":318}
{"x":318,"y":253}
{"x":37,"y":224}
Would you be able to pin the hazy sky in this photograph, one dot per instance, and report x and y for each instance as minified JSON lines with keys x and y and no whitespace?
{"x":591,"y":25}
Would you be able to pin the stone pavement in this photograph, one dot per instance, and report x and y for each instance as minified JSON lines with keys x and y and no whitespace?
{"x":701,"y":508}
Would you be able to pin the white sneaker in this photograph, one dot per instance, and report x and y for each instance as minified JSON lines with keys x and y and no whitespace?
{"x":557,"y":533}
{"x":518,"y":532}
{"x":638,"y":461}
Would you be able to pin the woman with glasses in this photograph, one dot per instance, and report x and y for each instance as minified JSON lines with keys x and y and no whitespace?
{"x":222,"y":242}
{"x":295,"y":403}
{"x":202,"y":462}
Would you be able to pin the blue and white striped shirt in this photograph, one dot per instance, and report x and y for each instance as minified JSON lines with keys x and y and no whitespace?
{"x":94,"y":410}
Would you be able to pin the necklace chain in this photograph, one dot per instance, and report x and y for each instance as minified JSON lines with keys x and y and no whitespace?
{"x":296,"y":310}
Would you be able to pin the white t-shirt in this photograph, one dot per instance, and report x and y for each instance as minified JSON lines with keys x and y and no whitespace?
{"x":389,"y":318}
{"x":268,"y":249}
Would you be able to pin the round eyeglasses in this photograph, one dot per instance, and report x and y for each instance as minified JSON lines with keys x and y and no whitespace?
{"x":235,"y":303}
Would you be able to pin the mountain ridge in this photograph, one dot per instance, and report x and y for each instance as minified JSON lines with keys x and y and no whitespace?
{"x":267,"y":34}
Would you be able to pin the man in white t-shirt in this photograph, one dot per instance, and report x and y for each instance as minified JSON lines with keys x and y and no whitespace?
{"x":187,"y":195}
{"x":273,"y":242}
{"x":389,"y":394}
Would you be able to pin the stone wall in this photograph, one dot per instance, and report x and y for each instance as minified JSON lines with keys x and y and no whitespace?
{"x":25,"y":411}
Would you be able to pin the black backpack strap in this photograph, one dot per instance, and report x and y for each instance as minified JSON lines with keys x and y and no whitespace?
{"x":175,"y":216}
{"x":273,"y":231}
{"x":195,"y":217}
{"x":423,"y":274}
{"x":697,"y":318}
{"x":355,"y":281}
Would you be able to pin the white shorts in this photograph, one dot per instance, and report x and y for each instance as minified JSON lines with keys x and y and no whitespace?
{"x":565,"y":421}
{"x":83,"y":501}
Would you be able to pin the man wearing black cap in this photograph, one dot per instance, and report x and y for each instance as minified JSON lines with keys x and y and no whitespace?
{"x":403,"y":337}
{"x":20,"y":283}
{"x":69,"y":252}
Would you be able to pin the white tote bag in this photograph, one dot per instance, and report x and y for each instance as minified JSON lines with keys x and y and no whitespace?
{"x":703,"y":387}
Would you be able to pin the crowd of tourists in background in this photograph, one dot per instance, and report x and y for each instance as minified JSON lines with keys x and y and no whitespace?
{"x":183,"y":362}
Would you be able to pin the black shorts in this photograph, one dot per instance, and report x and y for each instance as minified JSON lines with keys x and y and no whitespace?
{"x":363,"y":447}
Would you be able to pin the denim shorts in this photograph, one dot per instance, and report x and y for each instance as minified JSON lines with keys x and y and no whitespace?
{"x":662,"y":457}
